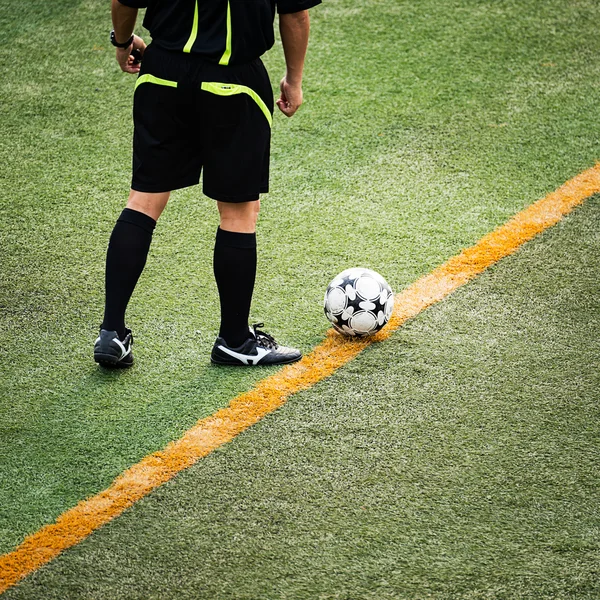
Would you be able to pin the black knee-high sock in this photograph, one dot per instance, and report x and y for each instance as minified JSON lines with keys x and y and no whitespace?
{"x":235,"y":272}
{"x":125,"y":259}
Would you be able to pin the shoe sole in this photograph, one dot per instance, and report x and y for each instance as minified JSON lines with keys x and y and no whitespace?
{"x":241,"y":364}
{"x":106,"y":360}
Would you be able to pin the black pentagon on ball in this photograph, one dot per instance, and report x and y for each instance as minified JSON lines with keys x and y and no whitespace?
{"x":358,"y":302}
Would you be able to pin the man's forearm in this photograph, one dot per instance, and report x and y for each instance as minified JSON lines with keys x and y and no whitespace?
{"x":123,"y":18}
{"x":294,"y":29}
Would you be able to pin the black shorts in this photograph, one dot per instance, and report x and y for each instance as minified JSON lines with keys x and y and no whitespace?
{"x":190,"y":114}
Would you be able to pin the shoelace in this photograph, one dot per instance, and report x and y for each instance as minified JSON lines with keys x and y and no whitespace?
{"x":262,"y":338}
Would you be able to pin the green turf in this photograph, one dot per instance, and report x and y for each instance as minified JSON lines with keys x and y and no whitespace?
{"x":459,"y":459}
{"x":425,"y":125}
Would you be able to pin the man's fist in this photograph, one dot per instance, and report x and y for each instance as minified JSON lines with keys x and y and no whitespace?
{"x":290,"y":99}
{"x":127,"y":61}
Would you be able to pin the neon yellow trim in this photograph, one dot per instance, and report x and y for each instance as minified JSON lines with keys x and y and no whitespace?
{"x":188,"y":47}
{"x":227,"y":54}
{"x":157,"y":80}
{"x":231,"y":89}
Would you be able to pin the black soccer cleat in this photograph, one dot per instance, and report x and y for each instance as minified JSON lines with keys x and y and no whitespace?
{"x":111,"y":351}
{"x":259,"y":349}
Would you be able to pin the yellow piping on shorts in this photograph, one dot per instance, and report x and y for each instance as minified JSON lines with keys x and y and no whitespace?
{"x":232,"y":89}
{"x":152,"y":79}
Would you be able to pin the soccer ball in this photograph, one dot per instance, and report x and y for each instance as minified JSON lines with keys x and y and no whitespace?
{"x":358,"y":302}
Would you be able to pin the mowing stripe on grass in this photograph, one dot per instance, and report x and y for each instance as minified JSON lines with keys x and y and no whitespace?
{"x":208,"y":434}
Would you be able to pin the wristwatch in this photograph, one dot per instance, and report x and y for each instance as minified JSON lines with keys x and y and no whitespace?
{"x":113,"y":41}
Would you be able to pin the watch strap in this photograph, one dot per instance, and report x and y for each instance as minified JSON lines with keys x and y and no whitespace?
{"x":113,"y":41}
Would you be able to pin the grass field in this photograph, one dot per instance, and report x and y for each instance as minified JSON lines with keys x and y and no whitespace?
{"x":456,"y":459}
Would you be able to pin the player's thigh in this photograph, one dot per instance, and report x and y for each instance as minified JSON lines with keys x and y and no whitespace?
{"x":237,"y":109}
{"x":166,"y":155}
{"x":236,"y":149}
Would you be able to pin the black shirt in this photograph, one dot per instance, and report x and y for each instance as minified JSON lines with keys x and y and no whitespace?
{"x":228,"y":32}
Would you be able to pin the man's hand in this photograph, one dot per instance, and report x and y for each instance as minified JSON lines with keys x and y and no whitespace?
{"x":290,"y":99}
{"x":126,"y":60}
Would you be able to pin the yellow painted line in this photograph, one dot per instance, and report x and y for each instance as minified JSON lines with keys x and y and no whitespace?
{"x":208,"y":434}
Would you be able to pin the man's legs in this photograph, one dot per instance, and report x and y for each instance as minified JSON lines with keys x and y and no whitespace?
{"x":125,"y":260}
{"x":235,"y":272}
{"x":235,"y":267}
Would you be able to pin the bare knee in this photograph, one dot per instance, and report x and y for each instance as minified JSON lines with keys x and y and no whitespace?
{"x":240,"y":217}
{"x":149,"y":204}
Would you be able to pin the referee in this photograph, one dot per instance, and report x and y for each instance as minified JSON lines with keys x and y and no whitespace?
{"x":202,"y":101}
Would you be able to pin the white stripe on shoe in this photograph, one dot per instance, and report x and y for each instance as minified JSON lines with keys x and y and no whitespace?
{"x":244,"y":358}
{"x":124,"y":351}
